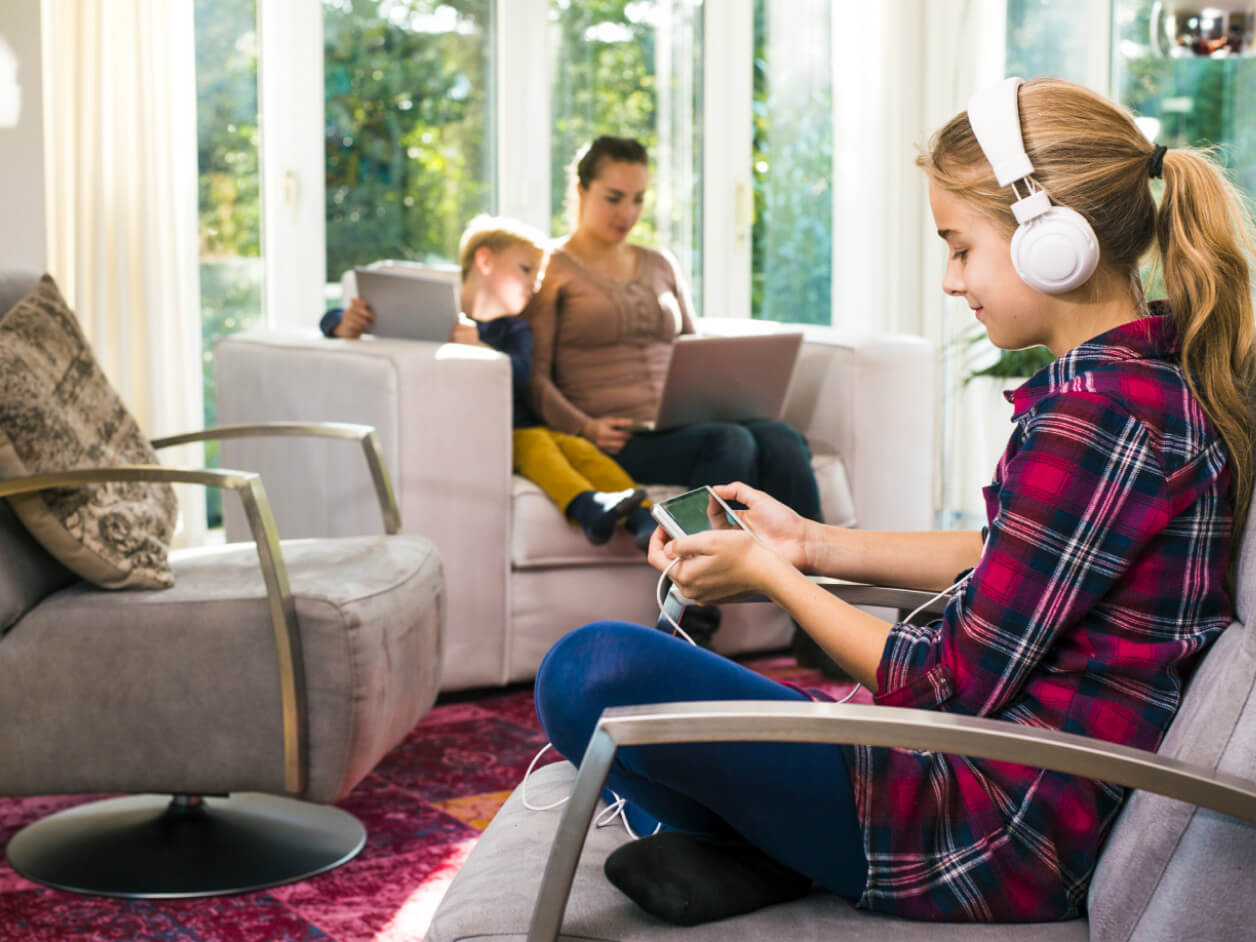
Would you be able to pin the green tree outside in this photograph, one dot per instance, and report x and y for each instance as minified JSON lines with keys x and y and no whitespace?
{"x":409,"y":145}
{"x":792,"y":173}
{"x":229,"y":206}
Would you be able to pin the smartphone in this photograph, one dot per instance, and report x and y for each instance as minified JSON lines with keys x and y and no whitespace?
{"x":696,"y":511}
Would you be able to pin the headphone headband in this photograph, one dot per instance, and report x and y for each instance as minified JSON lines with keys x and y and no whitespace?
{"x":995,"y":119}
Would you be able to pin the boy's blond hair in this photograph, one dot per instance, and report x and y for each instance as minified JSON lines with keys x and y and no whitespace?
{"x":496,"y":233}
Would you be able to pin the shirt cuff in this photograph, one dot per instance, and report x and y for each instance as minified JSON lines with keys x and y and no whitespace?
{"x":910,"y":673}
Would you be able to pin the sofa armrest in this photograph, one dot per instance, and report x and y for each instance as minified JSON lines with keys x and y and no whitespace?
{"x":443,"y":416}
{"x":870,"y":399}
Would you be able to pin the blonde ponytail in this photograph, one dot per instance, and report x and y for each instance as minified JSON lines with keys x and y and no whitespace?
{"x":1204,"y":236}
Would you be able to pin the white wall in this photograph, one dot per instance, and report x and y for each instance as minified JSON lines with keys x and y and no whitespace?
{"x":21,"y":144}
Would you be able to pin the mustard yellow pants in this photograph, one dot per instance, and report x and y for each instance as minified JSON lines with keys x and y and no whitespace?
{"x":565,"y":465}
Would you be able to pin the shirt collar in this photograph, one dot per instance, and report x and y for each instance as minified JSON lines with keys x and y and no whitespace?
{"x":1148,"y":338}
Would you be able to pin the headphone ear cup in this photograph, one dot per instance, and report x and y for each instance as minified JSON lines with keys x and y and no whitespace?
{"x":1055,"y":252}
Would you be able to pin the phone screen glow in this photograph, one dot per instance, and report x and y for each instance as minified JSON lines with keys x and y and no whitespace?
{"x":693,"y":511}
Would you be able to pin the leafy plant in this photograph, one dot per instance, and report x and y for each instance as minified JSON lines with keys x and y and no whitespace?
{"x":1006,"y":364}
{"x":1014,"y":363}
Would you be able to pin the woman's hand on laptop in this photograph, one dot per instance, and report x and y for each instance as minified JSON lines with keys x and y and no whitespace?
{"x":779,"y":527}
{"x":608,"y":433}
{"x":357,"y":317}
{"x":466,"y":332}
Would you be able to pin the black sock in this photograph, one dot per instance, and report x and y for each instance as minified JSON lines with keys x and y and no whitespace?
{"x":687,"y":880}
{"x":599,"y":512}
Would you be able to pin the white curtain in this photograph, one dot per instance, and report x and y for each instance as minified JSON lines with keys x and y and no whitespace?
{"x":121,"y":180}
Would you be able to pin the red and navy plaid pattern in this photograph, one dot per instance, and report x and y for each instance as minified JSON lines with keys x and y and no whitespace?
{"x":1099,"y":586}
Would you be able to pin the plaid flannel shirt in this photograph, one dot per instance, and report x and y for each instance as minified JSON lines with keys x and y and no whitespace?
{"x":1099,"y":585}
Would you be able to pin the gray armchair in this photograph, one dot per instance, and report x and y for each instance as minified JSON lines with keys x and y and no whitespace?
{"x":232,"y":708}
{"x":1177,"y":864}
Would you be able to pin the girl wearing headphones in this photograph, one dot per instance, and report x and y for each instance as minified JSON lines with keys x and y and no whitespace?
{"x":1099,"y":580}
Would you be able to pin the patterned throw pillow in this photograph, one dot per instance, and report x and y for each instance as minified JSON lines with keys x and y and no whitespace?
{"x":58,"y":413}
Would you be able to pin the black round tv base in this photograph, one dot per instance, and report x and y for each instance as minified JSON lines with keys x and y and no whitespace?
{"x":156,"y":847}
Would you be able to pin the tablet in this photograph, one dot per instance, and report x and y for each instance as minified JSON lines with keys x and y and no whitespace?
{"x":414,"y":304}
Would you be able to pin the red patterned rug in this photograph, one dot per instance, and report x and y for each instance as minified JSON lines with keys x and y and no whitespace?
{"x":424,"y":806}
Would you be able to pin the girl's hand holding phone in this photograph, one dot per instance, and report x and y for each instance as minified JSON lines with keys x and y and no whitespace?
{"x":715,"y":565}
{"x":779,"y":527}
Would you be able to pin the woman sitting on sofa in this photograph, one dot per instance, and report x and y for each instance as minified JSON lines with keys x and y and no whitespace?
{"x":604,"y":319}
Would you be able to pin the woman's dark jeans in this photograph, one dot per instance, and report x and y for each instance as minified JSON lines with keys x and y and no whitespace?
{"x":771,"y":456}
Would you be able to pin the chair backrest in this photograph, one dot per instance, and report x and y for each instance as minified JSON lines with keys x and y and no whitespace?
{"x":27,"y":574}
{"x":1170,"y":870}
{"x":14,"y":285}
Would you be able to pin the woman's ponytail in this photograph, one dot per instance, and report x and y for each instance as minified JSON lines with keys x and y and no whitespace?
{"x":1204,"y":236}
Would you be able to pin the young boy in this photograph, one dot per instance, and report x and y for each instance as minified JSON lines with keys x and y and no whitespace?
{"x":500,"y":259}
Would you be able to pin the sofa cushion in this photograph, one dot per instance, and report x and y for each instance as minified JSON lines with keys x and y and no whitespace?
{"x":1166,"y":862}
{"x":541,"y":537}
{"x":29,"y":574}
{"x":493,"y":894}
{"x":59,"y":412}
{"x":184,"y":683}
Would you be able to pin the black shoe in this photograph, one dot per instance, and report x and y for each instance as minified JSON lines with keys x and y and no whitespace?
{"x":687,"y":880}
{"x":642,"y":524}
{"x":599,"y":512}
{"x":699,"y":622}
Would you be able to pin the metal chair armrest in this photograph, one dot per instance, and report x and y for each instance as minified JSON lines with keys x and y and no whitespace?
{"x":283,"y":612}
{"x":365,"y":434}
{"x":905,"y":600}
{"x":759,"y":721}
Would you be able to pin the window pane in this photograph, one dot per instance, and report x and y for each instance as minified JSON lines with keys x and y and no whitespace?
{"x":633,"y":68}
{"x":1044,"y":38}
{"x":792,"y":238}
{"x":408,"y":113}
{"x":226,"y":118}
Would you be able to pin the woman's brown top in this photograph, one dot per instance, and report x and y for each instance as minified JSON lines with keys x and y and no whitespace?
{"x":602,"y":345}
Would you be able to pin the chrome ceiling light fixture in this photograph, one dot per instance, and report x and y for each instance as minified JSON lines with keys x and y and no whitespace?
{"x":1219,"y":29}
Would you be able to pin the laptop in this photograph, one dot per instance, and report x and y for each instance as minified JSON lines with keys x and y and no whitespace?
{"x":415,"y":303}
{"x":726,"y":379}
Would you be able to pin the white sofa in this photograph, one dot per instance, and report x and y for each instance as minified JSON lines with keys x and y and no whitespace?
{"x":518,"y":575}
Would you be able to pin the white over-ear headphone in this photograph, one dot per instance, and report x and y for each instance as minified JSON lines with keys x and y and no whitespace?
{"x":1054,"y":249}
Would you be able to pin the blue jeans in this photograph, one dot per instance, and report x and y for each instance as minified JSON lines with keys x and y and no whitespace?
{"x":793,"y":801}
{"x":771,"y":456}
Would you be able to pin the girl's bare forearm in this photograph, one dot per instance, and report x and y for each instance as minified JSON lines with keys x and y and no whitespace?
{"x":917,"y":560}
{"x":853,"y":638}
